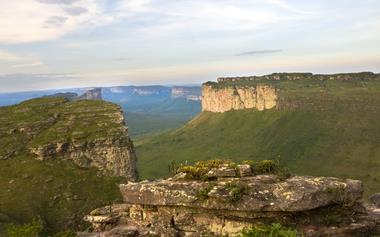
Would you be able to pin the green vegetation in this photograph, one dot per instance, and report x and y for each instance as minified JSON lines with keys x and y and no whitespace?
{"x":203,"y":192}
{"x":45,"y":120}
{"x":144,"y":124}
{"x":36,"y":228}
{"x":274,"y":230}
{"x":334,"y":131}
{"x":285,"y":81}
{"x":201,"y":168}
{"x":159,"y":117}
{"x":33,"y":229}
{"x":237,"y":190}
{"x":57,"y":192}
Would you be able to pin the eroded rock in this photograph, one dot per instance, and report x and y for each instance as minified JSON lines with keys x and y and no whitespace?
{"x":316,"y":206}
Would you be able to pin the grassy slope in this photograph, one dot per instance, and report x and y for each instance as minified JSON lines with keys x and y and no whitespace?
{"x":57,"y":191}
{"x":169,"y":114}
{"x":336,"y":138}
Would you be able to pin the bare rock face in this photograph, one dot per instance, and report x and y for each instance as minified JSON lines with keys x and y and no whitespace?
{"x":315,"y":206}
{"x":91,"y":133}
{"x":259,"y":97}
{"x":260,"y":193}
{"x":93,"y":94}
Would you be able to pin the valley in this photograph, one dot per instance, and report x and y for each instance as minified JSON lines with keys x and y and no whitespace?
{"x":318,"y":127}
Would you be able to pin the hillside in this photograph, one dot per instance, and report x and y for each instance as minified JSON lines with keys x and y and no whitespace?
{"x":57,"y":159}
{"x":319,"y":127}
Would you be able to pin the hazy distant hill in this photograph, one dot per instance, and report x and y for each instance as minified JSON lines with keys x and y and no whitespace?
{"x":152,"y":109}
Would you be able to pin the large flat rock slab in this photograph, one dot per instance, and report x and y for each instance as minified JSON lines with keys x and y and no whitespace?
{"x":260,"y":193}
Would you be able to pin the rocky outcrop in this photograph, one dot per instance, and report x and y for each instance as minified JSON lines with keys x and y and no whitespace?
{"x":112,"y":155}
{"x":224,"y":205}
{"x":283,"y":91}
{"x":93,"y":94}
{"x":92,"y":134}
{"x":259,"y":97}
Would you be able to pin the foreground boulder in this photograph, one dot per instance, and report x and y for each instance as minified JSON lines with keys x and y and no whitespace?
{"x":224,"y":206}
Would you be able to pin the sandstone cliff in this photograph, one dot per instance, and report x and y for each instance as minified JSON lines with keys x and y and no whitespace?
{"x":93,"y":94}
{"x":232,"y":198}
{"x":91,"y":133}
{"x":280,"y":90}
{"x":259,"y":97}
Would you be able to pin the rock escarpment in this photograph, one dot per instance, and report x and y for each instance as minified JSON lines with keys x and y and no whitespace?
{"x":278,"y":90}
{"x":232,"y":199}
{"x":259,"y":97}
{"x":305,"y":76}
{"x":93,"y":94}
{"x":91,"y":133}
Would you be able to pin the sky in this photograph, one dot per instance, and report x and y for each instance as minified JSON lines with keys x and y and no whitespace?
{"x":46,"y":44}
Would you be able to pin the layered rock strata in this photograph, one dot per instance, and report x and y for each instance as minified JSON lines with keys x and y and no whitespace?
{"x":259,"y":97}
{"x":93,"y":94}
{"x":315,"y":206}
{"x":91,"y":133}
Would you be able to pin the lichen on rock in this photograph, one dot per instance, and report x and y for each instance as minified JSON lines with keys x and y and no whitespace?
{"x":224,"y":205}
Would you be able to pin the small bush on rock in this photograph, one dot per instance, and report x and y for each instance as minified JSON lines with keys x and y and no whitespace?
{"x":201,"y":168}
{"x":237,"y":190}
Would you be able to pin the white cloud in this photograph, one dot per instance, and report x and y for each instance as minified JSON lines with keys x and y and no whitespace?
{"x":8,"y":57}
{"x":201,"y":16}
{"x":18,"y":60}
{"x":25,"y":21}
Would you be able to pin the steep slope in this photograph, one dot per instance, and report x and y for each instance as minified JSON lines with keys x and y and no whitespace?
{"x":327,"y":128}
{"x":91,"y":133}
{"x":83,"y":144}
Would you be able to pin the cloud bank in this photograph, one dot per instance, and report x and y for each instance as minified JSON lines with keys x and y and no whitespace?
{"x":254,"y":52}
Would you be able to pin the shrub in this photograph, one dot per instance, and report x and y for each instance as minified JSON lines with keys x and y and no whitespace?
{"x":203,"y":192}
{"x":266,"y":167}
{"x":274,"y":230}
{"x":237,"y":190}
{"x":33,"y":229}
{"x":201,"y":168}
{"x":270,"y":167}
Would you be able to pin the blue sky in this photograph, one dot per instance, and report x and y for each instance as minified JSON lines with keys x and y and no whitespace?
{"x":77,"y":43}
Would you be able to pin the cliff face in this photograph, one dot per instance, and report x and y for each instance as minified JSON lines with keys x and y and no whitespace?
{"x":91,"y":133}
{"x":258,"y":97}
{"x":262,"y":92}
{"x":94,"y":94}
